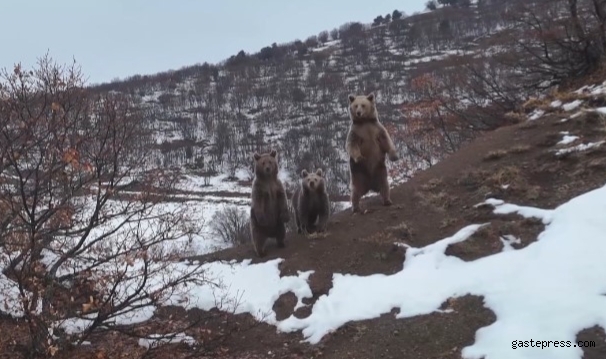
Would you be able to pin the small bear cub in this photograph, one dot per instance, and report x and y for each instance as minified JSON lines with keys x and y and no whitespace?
{"x":269,"y":208}
{"x":311,"y":203}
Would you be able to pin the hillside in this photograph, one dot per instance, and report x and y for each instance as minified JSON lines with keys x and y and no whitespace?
{"x":210,"y":118}
{"x":500,"y":242}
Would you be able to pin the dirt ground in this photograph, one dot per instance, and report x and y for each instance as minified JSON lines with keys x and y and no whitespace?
{"x":433,"y":205}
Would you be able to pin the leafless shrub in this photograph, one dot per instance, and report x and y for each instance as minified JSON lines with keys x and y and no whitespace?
{"x":232,"y":225}
{"x":76,"y":249}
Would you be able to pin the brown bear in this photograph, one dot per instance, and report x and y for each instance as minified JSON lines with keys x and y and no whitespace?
{"x":311,"y":203}
{"x":367,"y":144}
{"x":269,"y":209}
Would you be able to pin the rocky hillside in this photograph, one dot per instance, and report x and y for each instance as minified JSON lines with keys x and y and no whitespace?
{"x":293,"y":96}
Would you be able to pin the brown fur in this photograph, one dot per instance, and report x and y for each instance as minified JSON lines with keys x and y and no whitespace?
{"x":311,"y":203}
{"x":368,"y":143}
{"x":269,"y":209}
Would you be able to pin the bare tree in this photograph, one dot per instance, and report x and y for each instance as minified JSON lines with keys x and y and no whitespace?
{"x":558,"y":39}
{"x":84,"y":238}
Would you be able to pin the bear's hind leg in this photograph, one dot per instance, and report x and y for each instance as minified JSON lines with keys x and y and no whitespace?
{"x":258,"y":241}
{"x":356,"y":194}
{"x":280,"y":234}
{"x":383,"y":183}
{"x":298,"y":222}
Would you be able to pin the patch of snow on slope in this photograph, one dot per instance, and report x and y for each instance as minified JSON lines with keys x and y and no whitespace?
{"x":536,"y":114}
{"x":572,"y":105}
{"x":508,"y":240}
{"x":247,"y":288}
{"x":579,"y":148}
{"x":568,"y":138}
{"x":549,"y":290}
{"x":228,"y":286}
{"x":156,"y":340}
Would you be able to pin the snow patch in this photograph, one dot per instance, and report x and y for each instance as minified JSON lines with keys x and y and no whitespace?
{"x":579,"y":148}
{"x":536,"y":114}
{"x":550,"y":290}
{"x":246,"y":288}
{"x":572,"y":105}
{"x":508,"y":240}
{"x":567,"y":139}
{"x":156,"y":340}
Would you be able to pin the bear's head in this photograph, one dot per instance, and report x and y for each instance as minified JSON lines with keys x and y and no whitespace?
{"x":313,"y":182}
{"x":362,"y":108}
{"x":266,"y":164}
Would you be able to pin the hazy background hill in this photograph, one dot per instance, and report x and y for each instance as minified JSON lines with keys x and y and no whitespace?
{"x":293,"y":96}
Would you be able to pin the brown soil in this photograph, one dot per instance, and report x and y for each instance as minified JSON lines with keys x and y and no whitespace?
{"x":431,"y":206}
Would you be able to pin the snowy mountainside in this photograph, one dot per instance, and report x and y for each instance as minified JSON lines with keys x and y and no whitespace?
{"x":293,"y":97}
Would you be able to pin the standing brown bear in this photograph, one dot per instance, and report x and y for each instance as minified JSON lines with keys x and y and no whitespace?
{"x":367,"y":144}
{"x":311,"y":203}
{"x":269,"y":209}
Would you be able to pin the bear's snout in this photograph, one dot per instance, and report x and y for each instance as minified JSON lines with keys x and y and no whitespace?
{"x":312,"y":184}
{"x":359,"y":113}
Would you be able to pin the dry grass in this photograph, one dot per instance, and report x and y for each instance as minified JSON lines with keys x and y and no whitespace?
{"x":472,"y":179}
{"x":381,"y":237}
{"x":520,"y":149}
{"x":532,"y":192}
{"x":432,"y":184}
{"x":440,"y":200}
{"x":401,"y":231}
{"x":447,"y":222}
{"x":566,"y":97}
{"x":507,"y":175}
{"x":597,"y":164}
{"x":318,"y":235}
{"x":516,"y":117}
{"x":591,"y":117}
{"x":534,"y":103}
{"x":495,"y":155}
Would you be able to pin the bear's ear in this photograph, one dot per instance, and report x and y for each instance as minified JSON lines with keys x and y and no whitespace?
{"x":304,"y":173}
{"x":371,"y":97}
{"x":256,"y":156}
{"x":319,"y":172}
{"x":351,"y":98}
{"x":273,"y":153}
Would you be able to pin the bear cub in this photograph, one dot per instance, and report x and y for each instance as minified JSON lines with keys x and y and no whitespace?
{"x":269,"y":209}
{"x":367,"y":145}
{"x":311,"y":203}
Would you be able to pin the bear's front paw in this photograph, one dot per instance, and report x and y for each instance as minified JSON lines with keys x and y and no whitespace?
{"x":393,"y":157}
